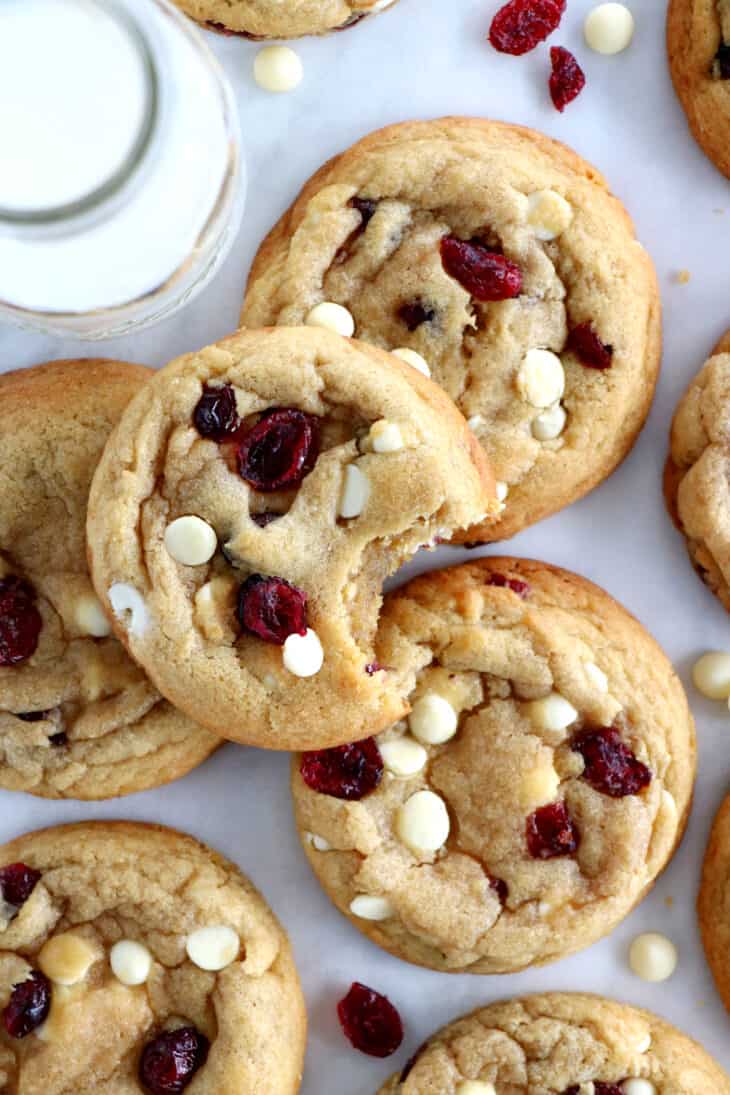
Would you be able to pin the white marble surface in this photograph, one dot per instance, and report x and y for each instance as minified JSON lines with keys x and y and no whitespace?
{"x":425,"y":58}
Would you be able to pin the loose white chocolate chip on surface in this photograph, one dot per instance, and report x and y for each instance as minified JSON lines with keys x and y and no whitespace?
{"x":370,"y":907}
{"x":131,"y":962}
{"x":89,"y":616}
{"x":552,"y":712}
{"x":638,"y":1087}
{"x":433,"y":719}
{"x":550,"y":424}
{"x":414,"y":359}
{"x":541,"y":379}
{"x":403,"y":757}
{"x":475,"y":1087}
{"x":213,"y":948}
{"x":333,"y":317}
{"x":422,"y":823}
{"x":278,"y":68}
{"x":653,"y":957}
{"x":126,"y":599}
{"x":355,"y":492}
{"x":609,"y":28}
{"x":711,"y":675}
{"x":385,"y":436}
{"x":548,"y":213}
{"x":67,"y":958}
{"x":303,"y":654}
{"x":596,"y":676}
{"x":191,"y":541}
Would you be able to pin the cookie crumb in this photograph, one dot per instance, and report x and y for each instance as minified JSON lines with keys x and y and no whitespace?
{"x":682,"y":277}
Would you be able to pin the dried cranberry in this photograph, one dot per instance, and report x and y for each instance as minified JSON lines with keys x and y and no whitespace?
{"x":610,"y":766}
{"x":216,"y":415}
{"x":500,"y":887}
{"x":30,"y":1002}
{"x":168,"y":1063}
{"x":522,"y":24}
{"x":587,"y":346}
{"x":722,"y":62}
{"x":598,"y":1089}
{"x":520,"y":588}
{"x":264,"y":519}
{"x":17,"y":882}
{"x":370,"y":1021}
{"x":221,"y":28}
{"x":32,"y":716}
{"x":551,"y":832}
{"x":279,"y":450}
{"x":272,"y":609}
{"x":414,"y":312}
{"x":567,"y":78}
{"x":484,"y":273}
{"x":59,"y":740}
{"x":347,"y":771}
{"x":20,"y":620}
{"x":366,"y":207}
{"x":374,"y":667}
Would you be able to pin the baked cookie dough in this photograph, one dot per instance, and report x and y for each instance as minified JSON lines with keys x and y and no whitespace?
{"x":698,"y":40}
{"x":132,"y":953}
{"x":501,"y":258}
{"x":539,"y":785}
{"x":713,"y":902}
{"x":560,"y":1044}
{"x":246,"y":512}
{"x":78,"y":719}
{"x":280,"y":18}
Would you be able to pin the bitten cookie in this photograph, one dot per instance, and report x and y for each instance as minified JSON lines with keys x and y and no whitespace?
{"x":135,"y":959}
{"x":540,"y":783}
{"x":277,"y":19}
{"x":698,"y":40}
{"x":499,"y":257}
{"x":246,"y":512}
{"x":560,"y":1044}
{"x":78,"y":719}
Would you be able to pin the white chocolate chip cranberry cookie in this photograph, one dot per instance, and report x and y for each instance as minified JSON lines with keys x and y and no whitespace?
{"x":696,"y":483}
{"x":538,"y":786}
{"x":560,"y":1044}
{"x":78,"y":719}
{"x":714,"y":901}
{"x":280,"y":18}
{"x":246,"y":512}
{"x":502,"y":261}
{"x":135,"y":959}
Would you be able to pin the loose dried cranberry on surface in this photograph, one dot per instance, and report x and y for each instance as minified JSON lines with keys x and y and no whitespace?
{"x":722,"y":62}
{"x":598,"y":1089}
{"x":280,"y":450}
{"x":551,"y":832}
{"x":30,"y":1002}
{"x":347,"y":771}
{"x":567,"y":78}
{"x":584,"y":342}
{"x":486,"y":274}
{"x":610,"y":766}
{"x":216,"y":415}
{"x":17,"y":882}
{"x":414,"y":312}
{"x":20,"y":620}
{"x":503,"y":582}
{"x":366,"y":207}
{"x":370,"y":1021}
{"x":168,"y":1063}
{"x":522,"y":24}
{"x":272,"y":609}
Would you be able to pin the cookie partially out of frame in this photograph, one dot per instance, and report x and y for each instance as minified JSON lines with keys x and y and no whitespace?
{"x":714,"y":901}
{"x":418,"y":228}
{"x":280,"y":18}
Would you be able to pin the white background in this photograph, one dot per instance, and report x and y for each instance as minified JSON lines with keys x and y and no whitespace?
{"x":422,"y":59}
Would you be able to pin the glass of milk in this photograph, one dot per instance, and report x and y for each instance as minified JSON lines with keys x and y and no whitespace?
{"x":121,"y":177}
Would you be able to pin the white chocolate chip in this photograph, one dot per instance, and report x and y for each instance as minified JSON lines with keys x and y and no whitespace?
{"x":414,"y":359}
{"x":191,"y":541}
{"x":278,"y":68}
{"x":385,"y":436}
{"x":126,"y":599}
{"x":609,"y":28}
{"x":539,"y":786}
{"x":541,"y":379}
{"x":596,"y":676}
{"x":550,"y":424}
{"x":318,"y":842}
{"x":354,"y":493}
{"x":89,"y":616}
{"x":548,"y":213}
{"x":213,"y":948}
{"x":370,"y":907}
{"x":433,"y":720}
{"x":653,"y":957}
{"x":644,"y":1044}
{"x":131,"y":962}
{"x":333,"y":317}
{"x":501,"y":490}
{"x":422,"y":823}
{"x":303,"y":654}
{"x":67,"y":958}
{"x":475,"y":421}
{"x":636,"y":1086}
{"x":711,"y":675}
{"x":552,"y":712}
{"x":404,"y":757}
{"x":475,"y":1087}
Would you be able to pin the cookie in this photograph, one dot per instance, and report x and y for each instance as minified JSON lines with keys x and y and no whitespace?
{"x":698,"y":41}
{"x":133,"y":955}
{"x":246,"y":512}
{"x":78,"y":719}
{"x":539,"y":785}
{"x":713,"y":901}
{"x":274,"y":19}
{"x":560,"y":1044}
{"x":500,"y":257}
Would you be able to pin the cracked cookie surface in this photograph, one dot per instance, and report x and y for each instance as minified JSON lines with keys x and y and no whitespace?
{"x":322,"y":465}
{"x":274,"y":19}
{"x":78,"y":719}
{"x":102,"y":884}
{"x":421,"y":229}
{"x":555,"y":733}
{"x":559,"y":1044}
